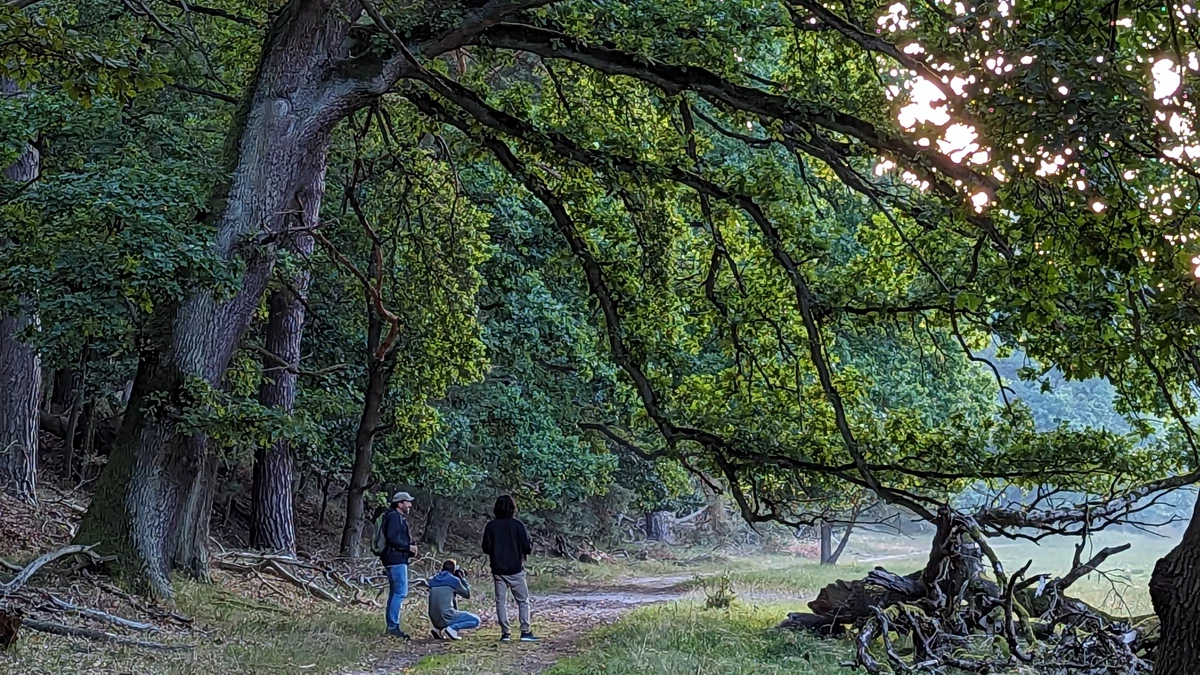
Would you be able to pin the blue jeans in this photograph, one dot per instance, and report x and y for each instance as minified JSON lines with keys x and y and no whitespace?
{"x":397,"y":591}
{"x":464,"y":621}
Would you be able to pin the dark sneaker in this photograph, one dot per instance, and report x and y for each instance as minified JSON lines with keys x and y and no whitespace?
{"x":506,"y":638}
{"x":528,"y":637}
{"x":397,"y":633}
{"x":437,"y":634}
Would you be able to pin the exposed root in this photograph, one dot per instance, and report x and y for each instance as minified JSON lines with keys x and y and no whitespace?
{"x":948,"y":615}
{"x":32,"y":568}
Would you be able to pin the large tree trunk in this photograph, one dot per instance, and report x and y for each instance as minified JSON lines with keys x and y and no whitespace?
{"x":1175,"y":592}
{"x":658,"y":526}
{"x":277,"y":160}
{"x":272,"y":522}
{"x":190,"y":552}
{"x":20,"y":394}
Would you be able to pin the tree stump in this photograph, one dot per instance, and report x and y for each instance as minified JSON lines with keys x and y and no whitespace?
{"x":10,"y":625}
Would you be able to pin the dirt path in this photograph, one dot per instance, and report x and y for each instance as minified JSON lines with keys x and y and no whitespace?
{"x":562,"y":619}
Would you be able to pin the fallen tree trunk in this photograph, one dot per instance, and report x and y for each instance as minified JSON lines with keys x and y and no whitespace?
{"x":952,"y":616}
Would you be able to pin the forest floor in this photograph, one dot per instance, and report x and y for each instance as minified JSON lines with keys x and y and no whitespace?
{"x":250,"y":620}
{"x":665,"y":616}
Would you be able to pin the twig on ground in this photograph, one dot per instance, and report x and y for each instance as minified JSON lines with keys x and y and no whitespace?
{"x":101,"y":615}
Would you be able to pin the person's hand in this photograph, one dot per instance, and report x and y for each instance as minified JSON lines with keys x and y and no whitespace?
{"x":460,"y":573}
{"x":412,"y":549}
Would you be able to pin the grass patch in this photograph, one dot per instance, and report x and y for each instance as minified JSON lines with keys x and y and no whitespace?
{"x":799,"y":578}
{"x":1123,"y":589}
{"x":765,"y":573}
{"x":685,"y":638}
{"x":555,"y":574}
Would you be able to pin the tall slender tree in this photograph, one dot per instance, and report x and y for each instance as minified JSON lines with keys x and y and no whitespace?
{"x":20,"y":365}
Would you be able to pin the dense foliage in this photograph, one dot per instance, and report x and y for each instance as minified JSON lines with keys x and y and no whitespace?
{"x":548,"y":246}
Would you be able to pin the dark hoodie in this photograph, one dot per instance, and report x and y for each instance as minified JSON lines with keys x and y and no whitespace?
{"x":506,"y":542}
{"x":443,"y":604}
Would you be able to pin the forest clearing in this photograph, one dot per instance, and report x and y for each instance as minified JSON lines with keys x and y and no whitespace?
{"x":590,"y":336}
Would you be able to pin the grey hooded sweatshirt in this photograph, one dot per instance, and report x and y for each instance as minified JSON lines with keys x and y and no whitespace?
{"x":444,"y":590}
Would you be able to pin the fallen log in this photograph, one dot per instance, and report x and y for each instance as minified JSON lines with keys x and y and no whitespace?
{"x":100,"y":636}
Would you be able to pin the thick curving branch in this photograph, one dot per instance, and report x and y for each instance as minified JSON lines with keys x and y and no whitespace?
{"x":675,"y":79}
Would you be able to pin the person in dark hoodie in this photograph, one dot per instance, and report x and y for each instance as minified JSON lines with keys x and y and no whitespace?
{"x":507,"y":544}
{"x":397,"y":551}
{"x":444,"y":590}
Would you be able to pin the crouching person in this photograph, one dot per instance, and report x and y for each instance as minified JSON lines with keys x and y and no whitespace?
{"x":444,"y":591}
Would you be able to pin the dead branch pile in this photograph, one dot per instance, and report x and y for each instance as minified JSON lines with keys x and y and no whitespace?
{"x":338,"y":581}
{"x":950,"y":615}
{"x":24,"y":608}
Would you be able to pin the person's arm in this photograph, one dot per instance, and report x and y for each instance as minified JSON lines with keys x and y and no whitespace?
{"x":463,"y":588}
{"x":526,"y":542}
{"x":408,"y":543}
{"x":487,"y":539}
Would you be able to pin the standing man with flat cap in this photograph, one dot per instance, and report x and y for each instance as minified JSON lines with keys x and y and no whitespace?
{"x":395,"y":548}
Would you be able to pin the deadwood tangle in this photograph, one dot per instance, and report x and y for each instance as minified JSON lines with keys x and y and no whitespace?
{"x":765,"y":244}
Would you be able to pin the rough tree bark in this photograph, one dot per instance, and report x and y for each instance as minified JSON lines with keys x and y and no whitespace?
{"x":272,"y":521}
{"x":230,"y":322}
{"x":658,"y":526}
{"x":20,"y":394}
{"x":20,"y":366}
{"x":1175,"y":593}
{"x":277,"y":160}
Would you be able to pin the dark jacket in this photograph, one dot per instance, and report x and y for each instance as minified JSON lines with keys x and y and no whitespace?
{"x":395,"y":530}
{"x":506,"y":541}
{"x":443,"y":606}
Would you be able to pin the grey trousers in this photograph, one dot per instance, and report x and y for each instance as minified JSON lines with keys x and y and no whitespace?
{"x":520,"y":590}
